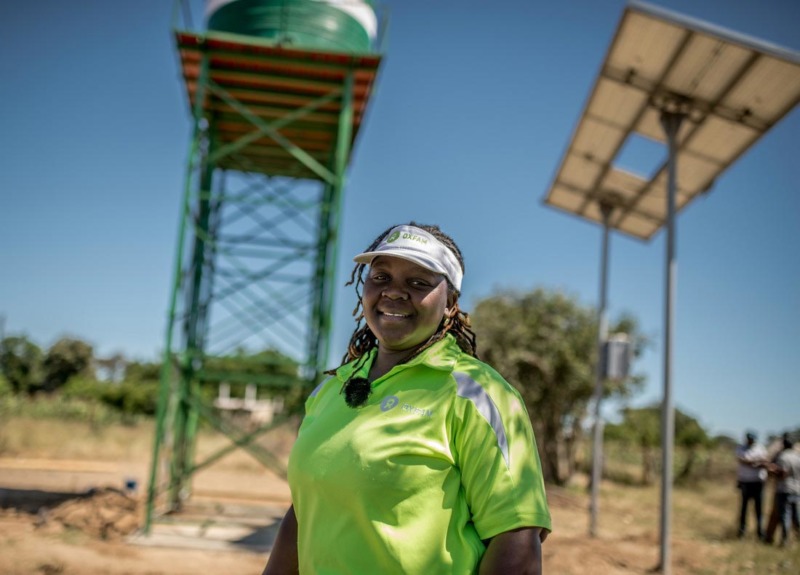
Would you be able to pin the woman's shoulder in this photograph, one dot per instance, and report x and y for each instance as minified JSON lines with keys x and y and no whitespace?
{"x":471,"y":369}
{"x":327,"y":382}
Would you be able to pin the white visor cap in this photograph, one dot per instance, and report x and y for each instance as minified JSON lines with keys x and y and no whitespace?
{"x":418,"y":246}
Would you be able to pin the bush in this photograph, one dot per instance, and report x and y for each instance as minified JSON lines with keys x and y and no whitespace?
{"x":128,"y":397}
{"x":55,"y":407}
{"x":137,"y":397}
{"x":84,"y":388}
{"x":21,"y":364}
{"x":5,"y":386}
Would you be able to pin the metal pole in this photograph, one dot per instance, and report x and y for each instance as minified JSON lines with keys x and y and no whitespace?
{"x":671,"y":122}
{"x":602,"y":333}
{"x":165,"y":379}
{"x":327,"y":248}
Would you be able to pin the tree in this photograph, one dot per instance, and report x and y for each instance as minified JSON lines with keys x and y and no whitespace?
{"x":642,"y":427}
{"x":545,"y":344}
{"x":66,"y":358}
{"x":21,"y":363}
{"x":111,"y":368}
{"x":690,"y":435}
{"x":142,"y":371}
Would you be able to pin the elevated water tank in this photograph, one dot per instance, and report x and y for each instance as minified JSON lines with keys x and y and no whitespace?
{"x":335,"y":25}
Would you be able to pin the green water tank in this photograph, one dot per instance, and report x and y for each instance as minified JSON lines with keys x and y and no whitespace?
{"x":335,"y":25}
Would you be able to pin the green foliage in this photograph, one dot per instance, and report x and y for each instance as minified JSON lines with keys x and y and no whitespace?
{"x":536,"y":338}
{"x":724,"y":441}
{"x":129,"y":397}
{"x":28,"y":370}
{"x":142,"y":371}
{"x":21,"y":364}
{"x":57,"y":407}
{"x":66,"y":358}
{"x":5,"y":386}
{"x":137,"y":397}
{"x":133,"y":389}
{"x":639,"y":426}
{"x":545,"y":344}
{"x":277,"y":369}
{"x":642,"y":427}
{"x":83,"y":388}
{"x":624,"y":464}
{"x":689,"y":433}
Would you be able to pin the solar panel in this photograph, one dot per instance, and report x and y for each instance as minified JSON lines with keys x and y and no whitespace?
{"x":731,"y":88}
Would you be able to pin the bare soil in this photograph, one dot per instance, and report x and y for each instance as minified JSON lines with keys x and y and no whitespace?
{"x":75,"y":516}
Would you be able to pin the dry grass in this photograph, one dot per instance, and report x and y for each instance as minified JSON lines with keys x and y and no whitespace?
{"x":35,"y":438}
{"x":703,"y":533}
{"x":52,"y":438}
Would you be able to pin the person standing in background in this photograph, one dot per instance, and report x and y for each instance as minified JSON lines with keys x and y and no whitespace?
{"x":786,"y":469}
{"x":750,"y":477}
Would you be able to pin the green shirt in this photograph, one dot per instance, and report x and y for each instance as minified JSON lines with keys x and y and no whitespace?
{"x":441,"y":457}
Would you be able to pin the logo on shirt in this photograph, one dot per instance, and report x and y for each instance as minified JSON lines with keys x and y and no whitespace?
{"x":408,"y":408}
{"x":389,"y":402}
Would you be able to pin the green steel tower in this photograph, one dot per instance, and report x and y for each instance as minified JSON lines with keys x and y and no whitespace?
{"x":277,"y":91}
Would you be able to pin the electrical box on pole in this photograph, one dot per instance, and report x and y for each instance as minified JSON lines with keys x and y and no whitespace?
{"x":617,"y":356}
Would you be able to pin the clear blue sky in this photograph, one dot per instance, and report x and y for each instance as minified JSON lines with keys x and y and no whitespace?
{"x":95,"y":135}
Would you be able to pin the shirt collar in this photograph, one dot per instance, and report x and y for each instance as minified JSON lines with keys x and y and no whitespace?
{"x":441,"y":355}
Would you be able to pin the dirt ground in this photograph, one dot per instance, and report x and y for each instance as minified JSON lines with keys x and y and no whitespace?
{"x":77,"y":517}
{"x":82,"y":517}
{"x":53,"y":523}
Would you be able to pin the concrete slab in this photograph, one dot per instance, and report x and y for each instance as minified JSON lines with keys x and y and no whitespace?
{"x":216,"y":526}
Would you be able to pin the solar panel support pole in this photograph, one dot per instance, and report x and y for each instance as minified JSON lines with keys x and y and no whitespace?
{"x":671,"y":122}
{"x":602,"y":333}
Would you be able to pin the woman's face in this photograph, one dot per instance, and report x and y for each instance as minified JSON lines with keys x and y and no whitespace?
{"x":403,"y":302}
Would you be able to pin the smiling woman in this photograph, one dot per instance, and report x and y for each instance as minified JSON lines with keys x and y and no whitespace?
{"x":433,"y":267}
{"x":428,"y":464}
{"x":403,"y":305}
